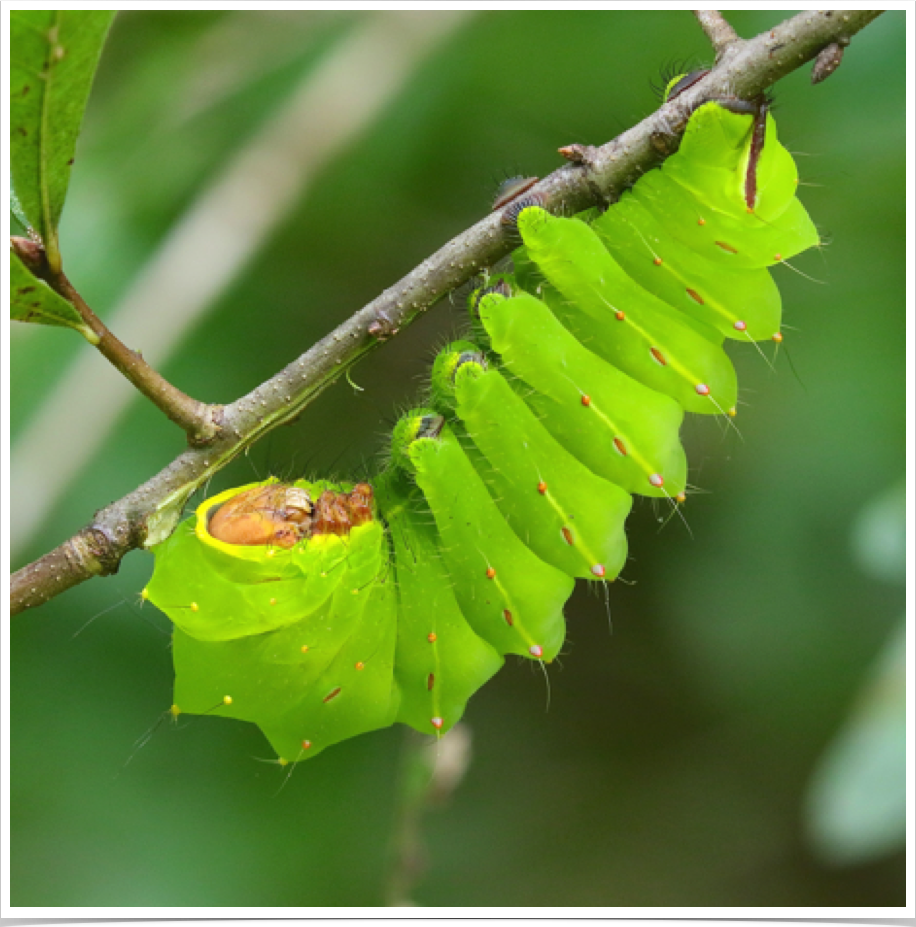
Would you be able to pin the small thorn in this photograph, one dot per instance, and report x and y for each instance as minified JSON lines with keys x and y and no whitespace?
{"x":508,"y":616}
{"x":740,"y":326}
{"x":174,"y":711}
{"x":490,"y":572}
{"x":145,"y":594}
{"x":430,"y":682}
{"x":227,"y":699}
{"x":657,"y":261}
{"x":306,"y":745}
{"x":701,"y":222}
{"x":536,"y":650}
{"x":620,"y":316}
{"x":194,"y":607}
{"x":778,"y":337}
{"x":598,"y":570}
{"x":542,"y":487}
{"x":656,"y":480}
{"x":732,"y":412}
{"x":696,"y":296}
{"x":702,"y":389}
{"x":681,"y":498}
{"x":567,"y":534}
{"x":777,"y":257}
{"x":659,"y":357}
{"x":360,"y":665}
{"x":431,"y":638}
{"x":620,"y":446}
{"x":436,"y":723}
{"x":282,"y":761}
{"x":586,"y":400}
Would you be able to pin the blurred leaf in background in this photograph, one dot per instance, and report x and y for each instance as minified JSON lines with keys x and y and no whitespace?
{"x":673,"y":763}
{"x":856,"y":808}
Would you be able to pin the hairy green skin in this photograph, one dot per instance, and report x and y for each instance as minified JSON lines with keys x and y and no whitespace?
{"x":218,"y":591}
{"x":284,"y":680}
{"x":560,"y":372}
{"x":685,"y":232}
{"x":610,"y":328}
{"x":652,"y":342}
{"x":567,"y":515}
{"x":496,"y":578}
{"x":440,"y":661}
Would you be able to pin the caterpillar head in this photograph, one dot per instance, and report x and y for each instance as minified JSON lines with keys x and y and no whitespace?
{"x":416,"y":427}
{"x":460,"y":358}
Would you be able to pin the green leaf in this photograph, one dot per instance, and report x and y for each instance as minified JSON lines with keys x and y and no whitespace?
{"x":32,"y":300}
{"x":54,"y":54}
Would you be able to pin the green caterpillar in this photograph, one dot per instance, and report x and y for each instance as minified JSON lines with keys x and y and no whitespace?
{"x":320,"y":611}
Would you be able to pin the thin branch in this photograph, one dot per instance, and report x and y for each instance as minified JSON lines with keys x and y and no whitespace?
{"x":718,"y":30}
{"x":198,"y":420}
{"x":147,"y":515}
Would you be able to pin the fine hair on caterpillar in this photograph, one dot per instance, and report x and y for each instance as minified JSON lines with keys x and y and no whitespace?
{"x":323,"y":610}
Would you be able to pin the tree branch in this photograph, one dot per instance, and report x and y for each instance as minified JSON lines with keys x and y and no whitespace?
{"x":149,"y":514}
{"x":198,"y":420}
{"x":718,"y":30}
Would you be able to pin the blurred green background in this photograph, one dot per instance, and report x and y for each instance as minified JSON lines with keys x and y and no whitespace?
{"x":675,"y":763}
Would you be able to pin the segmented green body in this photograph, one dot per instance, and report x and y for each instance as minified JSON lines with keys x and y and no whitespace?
{"x":519,"y":477}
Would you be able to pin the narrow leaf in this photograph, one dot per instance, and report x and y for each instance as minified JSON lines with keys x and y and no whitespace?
{"x":53,"y":57}
{"x":32,"y":300}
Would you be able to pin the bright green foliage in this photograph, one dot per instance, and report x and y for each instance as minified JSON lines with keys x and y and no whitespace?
{"x":625,"y":432}
{"x":510,"y":597}
{"x":54,"y":54}
{"x":567,"y":515}
{"x":440,"y":661}
{"x":32,"y":300}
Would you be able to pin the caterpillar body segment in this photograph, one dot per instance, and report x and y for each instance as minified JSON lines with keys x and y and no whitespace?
{"x":652,"y":342}
{"x":625,"y":432}
{"x":717,"y":296}
{"x":277,"y":677}
{"x":219,"y":591}
{"x":509,"y":596}
{"x":742,"y":241}
{"x":439,"y":660}
{"x":567,"y":515}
